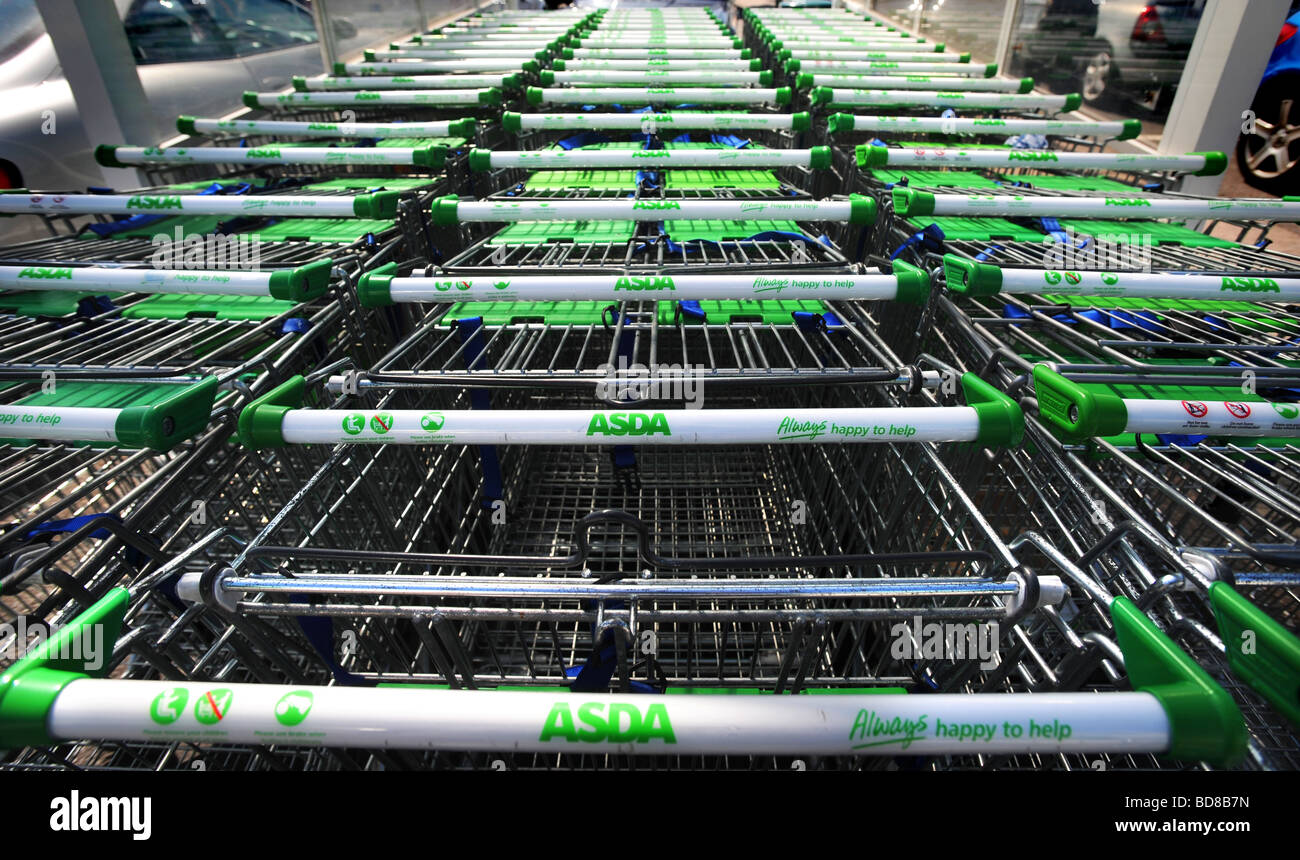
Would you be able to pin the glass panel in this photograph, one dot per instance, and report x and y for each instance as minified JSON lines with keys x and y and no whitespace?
{"x":360,"y":24}
{"x":965,"y":26}
{"x":22,"y":26}
{"x":1125,"y":57}
{"x":181,"y":31}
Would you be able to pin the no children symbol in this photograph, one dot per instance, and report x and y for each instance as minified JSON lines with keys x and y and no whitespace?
{"x":212,"y":707}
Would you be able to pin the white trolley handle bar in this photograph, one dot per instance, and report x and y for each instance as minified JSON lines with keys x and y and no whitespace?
{"x":509,"y":721}
{"x":954,"y":125}
{"x":651,"y":122}
{"x":375,"y":97}
{"x":120,"y":156}
{"x":916,"y":203}
{"x":444,"y":128}
{"x":1201,"y":163}
{"x":819,"y":157}
{"x":600,"y":427}
{"x":189,"y":204}
{"x":378,"y":288}
{"x":945,"y":99}
{"x":299,"y":284}
{"x":1215,"y":418}
{"x":965,"y":276}
{"x":857,"y":210}
{"x":657,"y":95}
{"x":1078,"y":414}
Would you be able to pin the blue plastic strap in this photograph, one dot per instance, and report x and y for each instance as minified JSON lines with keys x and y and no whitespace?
{"x":93,"y":306}
{"x":295,"y":325}
{"x":596,"y":674}
{"x":71,"y":524}
{"x":811,"y":322}
{"x":134,"y":222}
{"x":1180,"y":439}
{"x":585,"y":138}
{"x":929,"y":238}
{"x":1053,"y":228}
{"x":470,"y":332}
{"x":730,"y":140}
{"x":690,"y":308}
{"x":134,"y":557}
{"x":1070,"y":318}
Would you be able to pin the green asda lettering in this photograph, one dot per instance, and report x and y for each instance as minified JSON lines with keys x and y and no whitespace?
{"x":154,"y":203}
{"x":1018,"y":155}
{"x":651,"y":153}
{"x":656,"y":204}
{"x":628,"y":424}
{"x":1243,"y":285}
{"x":46,"y":274}
{"x":988,"y":122}
{"x":618,"y":723}
{"x":1126,"y":201}
{"x":646,"y":283}
{"x":263,"y":152}
{"x":322,"y":126}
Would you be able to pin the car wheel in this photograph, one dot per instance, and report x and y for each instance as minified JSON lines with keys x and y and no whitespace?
{"x":1268,"y":155}
{"x":1095,"y":85}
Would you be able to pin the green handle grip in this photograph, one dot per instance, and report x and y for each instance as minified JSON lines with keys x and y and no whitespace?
{"x":1204,"y":722}
{"x":1001,"y":421}
{"x":1260,"y":651}
{"x":968,"y":277}
{"x":173,"y":419}
{"x":260,"y":422}
{"x":1075,"y":413}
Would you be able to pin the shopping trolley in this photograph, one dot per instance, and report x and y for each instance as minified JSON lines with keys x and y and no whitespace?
{"x":747,"y":620}
{"x":118,"y":418}
{"x":1169,"y":481}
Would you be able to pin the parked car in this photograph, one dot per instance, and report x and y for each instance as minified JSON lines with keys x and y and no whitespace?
{"x":191,"y":56}
{"x":1269,"y":152}
{"x":1112,"y":52}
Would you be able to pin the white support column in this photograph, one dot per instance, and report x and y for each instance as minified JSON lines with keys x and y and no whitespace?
{"x":1227,"y":60}
{"x":96,"y":59}
{"x":324,"y":33}
{"x":1006,"y":34}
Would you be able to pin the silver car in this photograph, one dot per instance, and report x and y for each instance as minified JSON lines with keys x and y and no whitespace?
{"x":193,"y":57}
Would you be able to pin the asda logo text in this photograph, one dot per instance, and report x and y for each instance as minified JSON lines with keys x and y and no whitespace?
{"x":44,"y":274}
{"x":598,"y":722}
{"x":154,"y":202}
{"x":1241,"y":285}
{"x":628,"y":424}
{"x":645,"y":283}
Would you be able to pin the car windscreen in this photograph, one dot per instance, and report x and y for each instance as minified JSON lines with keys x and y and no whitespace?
{"x":20,"y":25}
